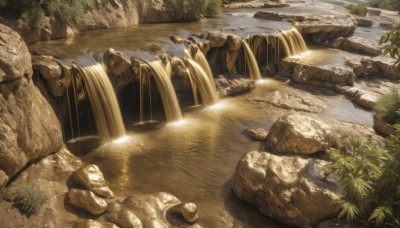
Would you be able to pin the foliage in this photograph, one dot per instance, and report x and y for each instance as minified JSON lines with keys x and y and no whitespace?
{"x":68,"y":11}
{"x":231,"y":1}
{"x":359,"y":9}
{"x":388,"y":107}
{"x":193,"y":9}
{"x":34,"y":14}
{"x":212,"y":7}
{"x":370,"y":180}
{"x":385,"y":4}
{"x":393,"y":48}
{"x":27,"y":197}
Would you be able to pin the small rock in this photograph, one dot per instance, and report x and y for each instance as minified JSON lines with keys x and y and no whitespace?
{"x":374,"y":12}
{"x":259,"y":134}
{"x":116,"y":62}
{"x":234,"y":43}
{"x":364,"y":22}
{"x":188,"y":211}
{"x":217,"y":39}
{"x":125,"y":218}
{"x":87,"y":200}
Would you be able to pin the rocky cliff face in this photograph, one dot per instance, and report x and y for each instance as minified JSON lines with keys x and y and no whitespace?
{"x":105,"y":14}
{"x":29,"y":129}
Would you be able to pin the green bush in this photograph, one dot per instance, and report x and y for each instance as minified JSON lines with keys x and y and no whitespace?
{"x":212,"y":7}
{"x":33,"y":13}
{"x":359,"y":9}
{"x":27,"y":197}
{"x":193,"y":9}
{"x":393,"y":46}
{"x":385,"y":4}
{"x":388,"y":107}
{"x":370,"y":180}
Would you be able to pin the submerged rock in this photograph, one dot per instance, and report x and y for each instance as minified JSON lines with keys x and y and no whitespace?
{"x":291,"y":189}
{"x":300,"y":134}
{"x":259,"y":134}
{"x":87,"y":200}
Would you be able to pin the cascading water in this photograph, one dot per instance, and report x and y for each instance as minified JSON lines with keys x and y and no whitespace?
{"x":251,"y":62}
{"x":206,"y":88}
{"x":103,"y":101}
{"x":200,"y":76}
{"x":292,"y":41}
{"x":166,"y":90}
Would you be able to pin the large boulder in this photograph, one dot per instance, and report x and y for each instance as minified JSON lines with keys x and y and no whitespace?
{"x":87,"y":200}
{"x":360,"y":45}
{"x":291,"y":189}
{"x":15,"y":60}
{"x":300,"y":134}
{"x":29,"y":128}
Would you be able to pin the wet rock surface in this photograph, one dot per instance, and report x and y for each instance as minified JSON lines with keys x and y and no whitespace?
{"x":92,"y":179}
{"x":291,"y":189}
{"x":87,"y":200}
{"x":230,"y":87}
{"x":15,"y":60}
{"x":299,"y":134}
{"x":259,"y":134}
{"x":318,"y":75}
{"x":257,"y":4}
{"x":51,"y":72}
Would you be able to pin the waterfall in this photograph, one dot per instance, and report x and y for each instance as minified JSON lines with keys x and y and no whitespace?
{"x":103,"y":101}
{"x":292,"y":42}
{"x":206,"y":88}
{"x":144,"y":83}
{"x":166,"y":90}
{"x":202,"y":61}
{"x":251,"y":62}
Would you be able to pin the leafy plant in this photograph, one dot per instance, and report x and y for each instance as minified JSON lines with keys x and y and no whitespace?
{"x":212,"y":7}
{"x":34,"y":14}
{"x":27,"y":197}
{"x":370,"y":180}
{"x":359,"y":9}
{"x":388,"y":107}
{"x":193,"y":9}
{"x":393,"y":48}
{"x":385,"y":4}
